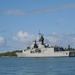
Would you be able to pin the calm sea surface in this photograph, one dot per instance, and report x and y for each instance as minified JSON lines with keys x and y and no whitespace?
{"x":37,"y":66}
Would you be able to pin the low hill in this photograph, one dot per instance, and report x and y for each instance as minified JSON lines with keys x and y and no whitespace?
{"x":13,"y":53}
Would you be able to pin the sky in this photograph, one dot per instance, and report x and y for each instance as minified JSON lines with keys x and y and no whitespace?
{"x":21,"y":21}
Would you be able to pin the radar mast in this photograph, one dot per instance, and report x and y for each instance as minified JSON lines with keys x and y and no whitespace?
{"x":41,"y":38}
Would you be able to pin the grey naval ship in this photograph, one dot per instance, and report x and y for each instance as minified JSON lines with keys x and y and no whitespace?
{"x":43,"y":50}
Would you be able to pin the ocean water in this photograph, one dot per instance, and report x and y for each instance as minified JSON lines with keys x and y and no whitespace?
{"x":37,"y":66}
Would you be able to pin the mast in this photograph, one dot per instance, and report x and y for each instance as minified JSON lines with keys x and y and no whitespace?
{"x":41,"y":38}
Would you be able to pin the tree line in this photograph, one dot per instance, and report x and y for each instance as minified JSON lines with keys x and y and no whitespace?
{"x":13,"y":53}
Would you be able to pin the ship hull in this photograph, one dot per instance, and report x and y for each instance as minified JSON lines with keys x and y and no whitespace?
{"x":56,"y":54}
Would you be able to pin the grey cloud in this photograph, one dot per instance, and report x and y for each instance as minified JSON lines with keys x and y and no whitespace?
{"x":2,"y":40}
{"x":21,"y":12}
{"x":61,"y":39}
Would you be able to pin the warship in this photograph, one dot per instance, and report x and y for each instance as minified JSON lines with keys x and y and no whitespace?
{"x":43,"y":50}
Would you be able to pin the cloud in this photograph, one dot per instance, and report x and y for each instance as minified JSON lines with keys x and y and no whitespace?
{"x":52,"y":38}
{"x":21,"y":12}
{"x":23,"y":37}
{"x":61,"y":39}
{"x":2,"y":41}
{"x":16,"y":12}
{"x":21,"y":40}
